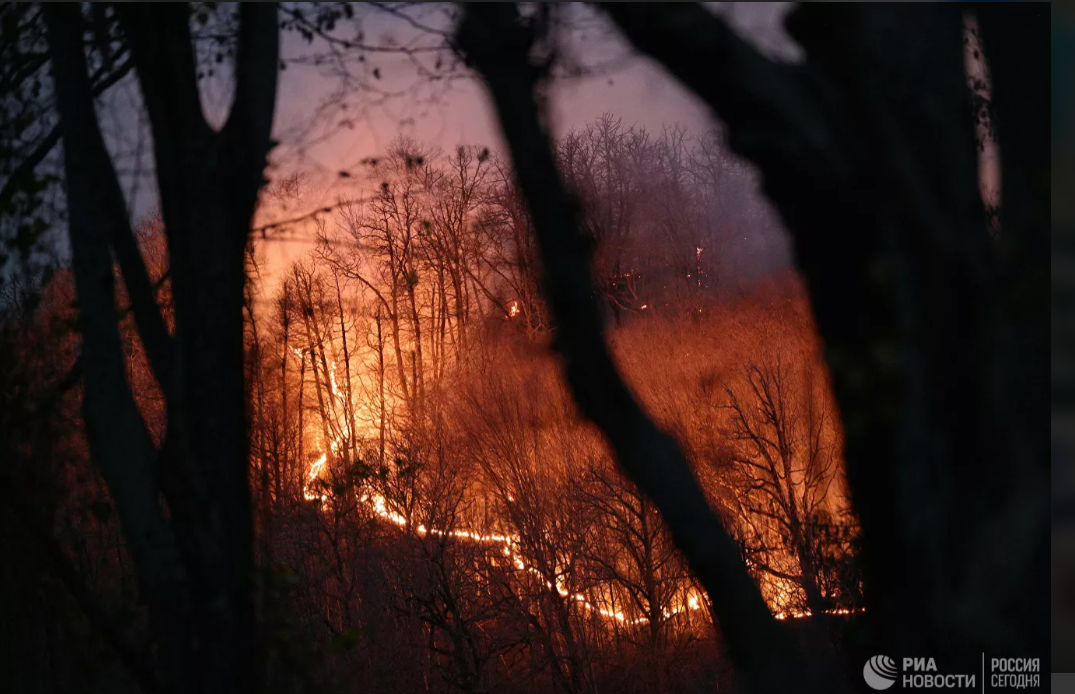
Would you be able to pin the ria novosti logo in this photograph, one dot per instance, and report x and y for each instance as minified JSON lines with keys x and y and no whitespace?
{"x":880,"y":672}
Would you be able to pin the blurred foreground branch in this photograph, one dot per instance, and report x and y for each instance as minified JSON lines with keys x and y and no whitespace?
{"x":499,"y":43}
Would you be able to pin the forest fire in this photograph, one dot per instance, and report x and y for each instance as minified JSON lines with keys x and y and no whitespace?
{"x":377,"y":503}
{"x":408,"y":415}
{"x":404,"y":416}
{"x":536,"y":405}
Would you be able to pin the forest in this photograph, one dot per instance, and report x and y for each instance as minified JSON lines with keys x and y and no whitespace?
{"x":431,"y":511}
{"x":538,"y":417}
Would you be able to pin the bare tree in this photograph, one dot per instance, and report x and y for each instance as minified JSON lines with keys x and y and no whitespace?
{"x":604,"y":165}
{"x":787,"y":464}
{"x":445,"y":578}
{"x":632,"y":552}
{"x":509,"y":258}
{"x":193,"y":562}
{"x":500,"y":43}
{"x":868,"y":151}
{"x":528,"y":450}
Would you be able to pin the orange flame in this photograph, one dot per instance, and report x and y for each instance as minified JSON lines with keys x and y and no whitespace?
{"x":379,"y":506}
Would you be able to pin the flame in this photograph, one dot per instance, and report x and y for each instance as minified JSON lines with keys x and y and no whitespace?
{"x":510,"y":543}
{"x":800,"y":614}
{"x":513,"y":309}
{"x":311,"y":477}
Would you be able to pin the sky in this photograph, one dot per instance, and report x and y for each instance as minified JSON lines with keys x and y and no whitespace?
{"x":321,"y":140}
{"x":624,"y":83}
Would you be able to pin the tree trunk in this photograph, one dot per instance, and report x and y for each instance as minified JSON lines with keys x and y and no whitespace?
{"x":498,"y":42}
{"x":195,"y":563}
{"x":868,"y":151}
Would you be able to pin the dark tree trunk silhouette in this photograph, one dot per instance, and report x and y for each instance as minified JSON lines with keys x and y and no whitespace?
{"x":930,"y":324}
{"x":868,"y":152}
{"x":927,"y":310}
{"x":194,"y":561}
{"x":498,"y":43}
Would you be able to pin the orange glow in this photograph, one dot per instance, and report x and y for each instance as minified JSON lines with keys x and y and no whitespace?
{"x":776,"y":595}
{"x":378,"y":505}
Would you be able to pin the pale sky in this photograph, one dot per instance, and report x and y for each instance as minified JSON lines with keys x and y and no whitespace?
{"x":318,"y":139}
{"x":627,"y":85}
{"x":320,"y":143}
{"x":448,"y":115}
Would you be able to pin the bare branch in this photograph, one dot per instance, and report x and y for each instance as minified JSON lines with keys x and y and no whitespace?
{"x":498,"y":43}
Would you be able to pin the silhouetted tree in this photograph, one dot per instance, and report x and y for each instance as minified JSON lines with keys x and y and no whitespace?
{"x":193,"y":560}
{"x":868,"y":151}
